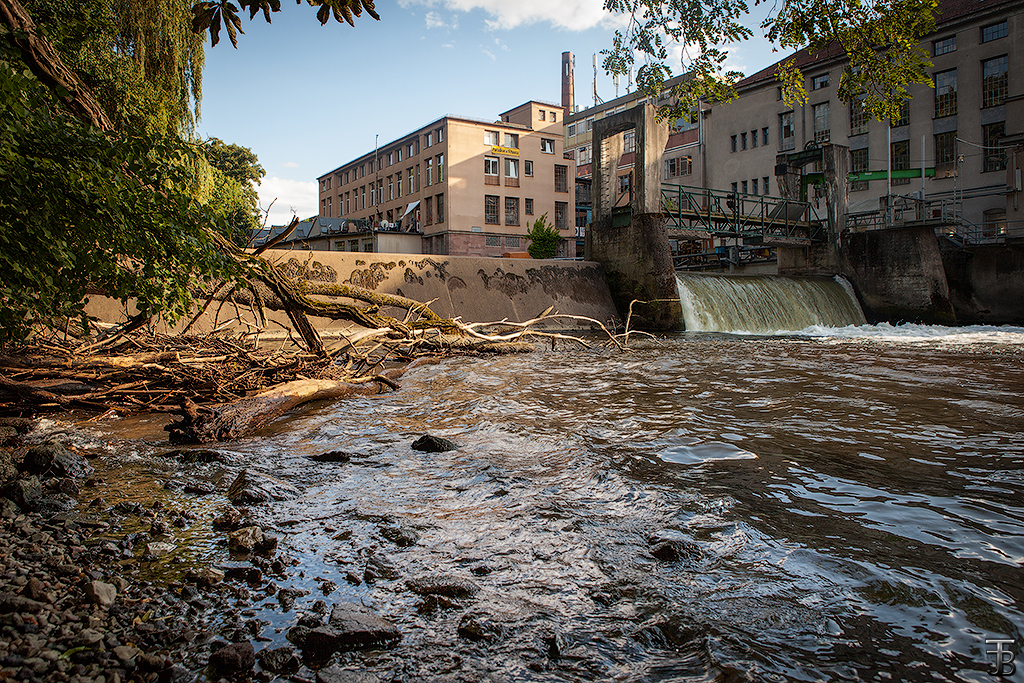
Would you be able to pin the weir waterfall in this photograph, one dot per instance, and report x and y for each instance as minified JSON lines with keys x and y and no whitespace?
{"x":765,"y":304}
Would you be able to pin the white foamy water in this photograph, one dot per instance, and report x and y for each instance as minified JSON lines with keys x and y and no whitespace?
{"x":912,"y":333}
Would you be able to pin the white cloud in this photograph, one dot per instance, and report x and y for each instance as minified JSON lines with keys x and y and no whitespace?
{"x":290,"y":164}
{"x":575,"y":15}
{"x":449,"y":45}
{"x":294,"y":197}
{"x":434,"y":20}
{"x":489,"y":54}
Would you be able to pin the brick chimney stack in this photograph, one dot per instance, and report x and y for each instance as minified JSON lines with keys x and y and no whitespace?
{"x":568,"y":96}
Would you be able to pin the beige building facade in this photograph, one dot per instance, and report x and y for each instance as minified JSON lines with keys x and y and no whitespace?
{"x":468,"y":187}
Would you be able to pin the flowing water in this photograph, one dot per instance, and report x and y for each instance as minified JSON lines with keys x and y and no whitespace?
{"x":842,"y":503}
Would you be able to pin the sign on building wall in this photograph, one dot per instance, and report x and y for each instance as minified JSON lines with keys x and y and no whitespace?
{"x":497,"y":149}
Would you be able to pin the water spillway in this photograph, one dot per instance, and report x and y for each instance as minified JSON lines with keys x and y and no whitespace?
{"x":765,"y":304}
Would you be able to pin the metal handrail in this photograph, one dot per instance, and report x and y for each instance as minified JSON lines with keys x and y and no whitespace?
{"x":733,"y":214}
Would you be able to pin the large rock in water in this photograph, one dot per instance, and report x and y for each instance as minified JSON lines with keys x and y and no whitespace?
{"x":54,"y":460}
{"x":428,"y":443}
{"x":350,"y":627}
{"x":254,"y":487}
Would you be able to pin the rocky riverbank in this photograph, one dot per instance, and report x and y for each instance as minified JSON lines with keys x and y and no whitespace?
{"x":75,"y":606}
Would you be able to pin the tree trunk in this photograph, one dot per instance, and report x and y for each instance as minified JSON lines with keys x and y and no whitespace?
{"x":203,"y":424}
{"x":46,"y":64}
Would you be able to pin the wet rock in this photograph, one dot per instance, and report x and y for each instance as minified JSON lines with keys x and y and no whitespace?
{"x":233,"y":659}
{"x":297,"y":635}
{"x":336,"y":674}
{"x":429,"y":443}
{"x":126,"y":653}
{"x":400,"y":535}
{"x":350,"y":627}
{"x":100,"y":593}
{"x":447,"y":586}
{"x":24,"y":492}
{"x":198,"y":455}
{"x":434,"y":603}
{"x":378,"y":567}
{"x":250,"y":575}
{"x":282,"y":660}
{"x":673,"y":550}
{"x":286,"y":597}
{"x":158,"y":548}
{"x":87,"y":637}
{"x":245,"y":539}
{"x":229,"y":519}
{"x":54,"y":460}
{"x":479,"y":627}
{"x":331,"y":456}
{"x":255,"y":487}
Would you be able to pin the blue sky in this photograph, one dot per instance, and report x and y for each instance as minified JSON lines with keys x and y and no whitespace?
{"x":307,"y":98}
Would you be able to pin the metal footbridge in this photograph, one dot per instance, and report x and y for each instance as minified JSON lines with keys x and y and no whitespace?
{"x":760,"y":219}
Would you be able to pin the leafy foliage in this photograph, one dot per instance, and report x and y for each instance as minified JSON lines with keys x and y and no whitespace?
{"x":544,"y":239}
{"x":211,"y":14}
{"x":83,"y":210}
{"x":880,"y":38}
{"x":230,"y":184}
{"x":138,"y":57}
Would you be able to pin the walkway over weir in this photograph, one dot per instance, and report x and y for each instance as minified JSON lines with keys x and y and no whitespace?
{"x":775,"y":221}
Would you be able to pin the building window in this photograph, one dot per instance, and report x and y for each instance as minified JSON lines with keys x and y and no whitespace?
{"x":430,"y":172}
{"x":858,"y":117}
{"x":362,"y":195}
{"x":995,"y":156}
{"x":409,"y":189}
{"x":629,"y":141}
{"x":490,"y":209}
{"x":859,"y":164}
{"x":528,"y":168}
{"x":571,"y":131}
{"x":561,"y":214}
{"x":353,"y":245}
{"x":819,"y":82}
{"x":440,"y":168}
{"x":554,"y":116}
{"x":822,"y":127}
{"x":540,"y":114}
{"x":941,"y":47}
{"x":945,"y":93}
{"x":398,"y":155}
{"x":732,"y":142}
{"x":994,"y":81}
{"x":787,"y":131}
{"x":764,"y":135}
{"x":764,"y":184}
{"x":391,"y":188}
{"x":492,"y":240}
{"x":440,"y":208}
{"x":993,"y":31}
{"x":429,"y":139}
{"x":623,"y":185}
{"x":528,"y":206}
{"x":547,"y":146}
{"x":398,"y":185}
{"x":330,"y":208}
{"x":945,"y":148}
{"x":753,"y":186}
{"x":678,"y":166}
{"x":753,"y":138}
{"x":511,"y":172}
{"x":512,"y":241}
{"x":994,"y":222}
{"x":744,"y":187}
{"x":735,"y":188}
{"x":511,"y":210}
{"x":512,"y":140}
{"x":428,"y":203}
{"x":743,"y":140}
{"x":491,"y":171}
{"x":348,"y":205}
{"x":491,"y":138}
{"x":440,"y":135}
{"x":590,"y":123}
{"x":561,"y":178}
{"x":902,"y":117}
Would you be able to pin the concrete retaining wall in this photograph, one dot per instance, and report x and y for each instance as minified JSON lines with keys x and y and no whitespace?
{"x":475,"y":289}
{"x":898,"y":275}
{"x":986,"y":283}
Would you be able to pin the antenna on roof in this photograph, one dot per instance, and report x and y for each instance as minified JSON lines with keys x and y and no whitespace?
{"x":597,"y":100}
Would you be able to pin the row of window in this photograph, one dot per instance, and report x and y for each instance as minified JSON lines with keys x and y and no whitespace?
{"x":385,"y":159}
{"x":739,"y":142}
{"x":753,"y":187}
{"x":547,"y":115}
{"x":988,"y":33}
{"x":492,"y":205}
{"x":993,"y":156}
{"x":995,"y":79}
{"x":492,"y":166}
{"x":396,"y":185}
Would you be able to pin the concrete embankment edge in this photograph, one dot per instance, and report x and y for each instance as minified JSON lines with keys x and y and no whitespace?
{"x":472,"y":288}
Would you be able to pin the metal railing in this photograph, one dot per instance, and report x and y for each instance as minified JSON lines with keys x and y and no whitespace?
{"x":721,"y":213}
{"x":944,"y":215}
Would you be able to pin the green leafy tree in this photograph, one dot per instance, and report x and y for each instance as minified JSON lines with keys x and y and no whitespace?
{"x":881,"y":39}
{"x":234,"y":172}
{"x":84,"y":211}
{"x":544,"y":238}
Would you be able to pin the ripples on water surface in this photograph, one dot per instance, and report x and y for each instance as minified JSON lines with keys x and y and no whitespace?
{"x":845,"y":506}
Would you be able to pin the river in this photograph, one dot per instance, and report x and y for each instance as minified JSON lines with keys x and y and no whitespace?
{"x":839,"y":503}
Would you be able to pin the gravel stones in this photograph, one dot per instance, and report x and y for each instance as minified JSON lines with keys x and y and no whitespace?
{"x":251,"y":488}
